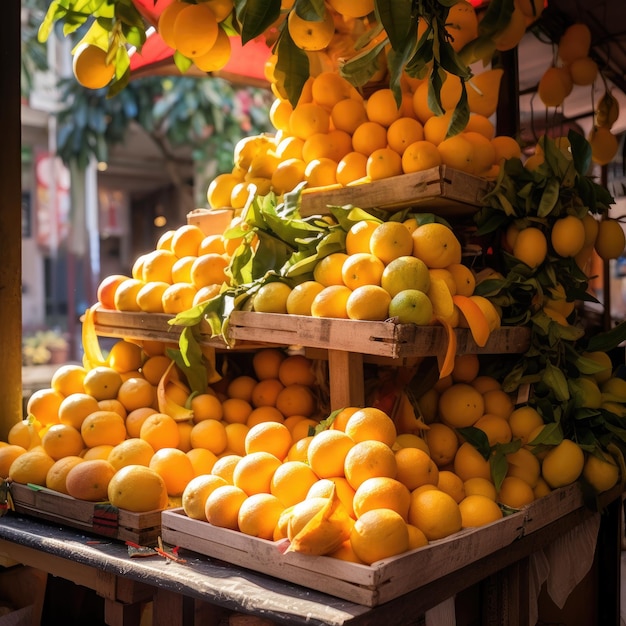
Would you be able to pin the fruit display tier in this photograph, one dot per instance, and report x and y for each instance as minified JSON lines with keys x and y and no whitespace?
{"x":372,"y":585}
{"x":99,"y":518}
{"x":441,"y":190}
{"x":347,"y":342}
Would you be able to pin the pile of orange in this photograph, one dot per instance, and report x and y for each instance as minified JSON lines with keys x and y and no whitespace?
{"x":101,"y":433}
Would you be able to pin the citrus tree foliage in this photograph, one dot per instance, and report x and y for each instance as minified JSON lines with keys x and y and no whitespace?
{"x":116,"y":24}
{"x":34,"y":57}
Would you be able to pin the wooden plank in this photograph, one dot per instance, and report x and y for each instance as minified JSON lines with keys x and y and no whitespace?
{"x":346,"y":379}
{"x":444,"y":191}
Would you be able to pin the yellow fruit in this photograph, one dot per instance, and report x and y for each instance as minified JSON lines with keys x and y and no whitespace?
{"x":89,"y":480}
{"x":160,"y":431}
{"x":368,"y":302}
{"x":583,"y":71}
{"x":195,"y":30}
{"x":196,"y":493}
{"x":415,"y":468}
{"x":352,"y":8}
{"x":436,"y":245}
{"x":563,"y":464}
{"x":371,"y":424}
{"x":515,"y":492}
{"x":461,"y":24}
{"x":301,"y":297}
{"x":174,"y":467}
{"x":217,"y":56}
{"x":253,"y":472}
{"x":103,"y":428}
{"x":223,"y":504}
{"x":272,"y":298}
{"x":207,"y":406}
{"x":296,"y":399}
{"x":331,"y":302}
{"x":44,"y":406}
{"x":311,"y":35}
{"x":266,"y":363}
{"x":382,"y":493}
{"x":480,"y":486}
{"x":132,"y":451}
{"x":291,"y":482}
{"x":348,"y":114}
{"x":321,"y":172}
{"x":611,"y":240}
{"x":271,"y":437}
{"x":601,"y":473}
{"x":477,"y":510}
{"x":287,"y":175}
{"x":369,"y":459}
{"x":8,"y":454}
{"x":531,"y":246}
{"x":379,"y":534}
{"x":525,"y":465}
{"x":403,"y":132}
{"x":91,"y":68}
{"x":461,"y":405}
{"x":512,"y":34}
{"x":523,"y":421}
{"x":498,"y":402}
{"x":103,"y":383}
{"x":68,"y":379}
{"x":451,"y":484}
{"x":435,"y":513}
{"x":327,"y":451}
{"x":259,"y":514}
{"x":568,"y":236}
{"x":57,"y":474}
{"x":442,"y":443}
{"x":381,"y":107}
{"x":135,"y":393}
{"x":390,"y":240}
{"x":495,"y":427}
{"x":352,"y":167}
{"x":61,"y":440}
{"x":554,"y":86}
{"x":137,"y":488}
{"x":574,"y":42}
{"x":327,"y":271}
{"x":368,"y":137}
{"x":209,"y":434}
{"x":359,"y":236}
{"x":469,"y":463}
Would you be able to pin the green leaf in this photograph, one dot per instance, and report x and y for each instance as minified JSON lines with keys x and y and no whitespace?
{"x":191,"y":361}
{"x":478,"y":438}
{"x":581,"y":152}
{"x":496,"y":18}
{"x":292,"y":67}
{"x":499,"y":467}
{"x":360,"y":68}
{"x":554,"y":378}
{"x":398,"y":20}
{"x":549,"y":197}
{"x":608,"y":340}
{"x":255,"y":16}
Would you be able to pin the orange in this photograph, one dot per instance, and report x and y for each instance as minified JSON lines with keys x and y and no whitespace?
{"x":461,"y":405}
{"x":574,"y":43}
{"x":125,"y":356}
{"x":206,"y":293}
{"x":308,"y":119}
{"x":103,"y":428}
{"x":90,"y":480}
{"x":133,"y":451}
{"x":137,"y":488}
{"x":56,"y":476}
{"x":209,"y":434}
{"x":368,"y":302}
{"x":329,"y":88}
{"x":362,"y":268}
{"x":442,"y":443}
{"x":311,"y":35}
{"x":288,"y":174}
{"x":466,"y":368}
{"x":525,"y":465}
{"x":563,"y":464}
{"x":160,"y":431}
{"x":369,"y":459}
{"x":266,"y":363}
{"x":415,"y":468}
{"x":68,"y":379}
{"x":206,"y":406}
{"x":196,"y":493}
{"x":181,"y":272}
{"x":212,"y":243}
{"x":75,"y":408}
{"x":102,"y":383}
{"x":382,"y":108}
{"x":174,"y":467}
{"x":341,"y":418}
{"x":391,"y":240}
{"x":610,"y":241}
{"x":113,"y":405}
{"x":301,"y":297}
{"x":419,"y":156}
{"x":272,"y":437}
{"x":515,"y":492}
{"x":352,"y":167}
{"x":331,"y":302}
{"x":125,"y":298}
{"x":259,"y":514}
{"x":554,"y":86}
{"x":379,"y":534}
{"x":236,"y":410}
{"x":498,"y":402}
{"x":291,"y":482}
{"x":403,"y":132}
{"x":195,"y":30}
{"x":202,"y":460}
{"x":299,"y":449}
{"x":470,"y":463}
{"x":62,"y":440}
{"x":154,"y":367}
{"x":178,"y":298}
{"x":136,"y":418}
{"x":222,"y":506}
{"x":236,"y":437}
{"x":44,"y":405}
{"x":321,"y":172}
{"x":495,"y":427}
{"x":348,"y":114}
{"x":327,"y":451}
{"x":266,"y":392}
{"x":135,"y":393}
{"x":31,"y":467}
{"x":253,"y":472}
{"x":523,"y":421}
{"x":296,"y":399}
{"x":8,"y":454}
{"x":327,"y":271}
{"x":371,"y":423}
{"x":382,"y":493}
{"x":97,"y":452}
{"x":359,"y":235}
{"x":165,"y":24}
{"x":279,"y":114}
{"x":451,"y":484}
{"x":272,"y":298}
{"x":333,"y":145}
{"x":436,"y":245}
{"x":90,"y":66}
{"x":477,"y":510}
{"x":209,"y":269}
{"x":224,"y":466}
{"x":107,"y":287}
{"x":435,"y":513}
{"x":368,"y":137}
{"x":480,"y":486}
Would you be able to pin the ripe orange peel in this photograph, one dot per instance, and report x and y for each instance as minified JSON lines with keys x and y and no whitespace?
{"x":446,"y":361}
{"x":91,"y":345}
{"x":325,"y":531}
{"x":475,"y":318}
{"x":166,"y":404}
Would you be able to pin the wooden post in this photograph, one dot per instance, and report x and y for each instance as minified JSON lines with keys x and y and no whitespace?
{"x":10,"y":222}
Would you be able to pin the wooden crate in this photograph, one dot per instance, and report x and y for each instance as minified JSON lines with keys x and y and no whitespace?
{"x":383,"y":580}
{"x":250,"y":329}
{"x":440,"y":190}
{"x":92,"y":517}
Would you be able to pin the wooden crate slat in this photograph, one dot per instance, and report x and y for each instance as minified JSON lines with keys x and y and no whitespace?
{"x":384,"y":580}
{"x":443,"y":190}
